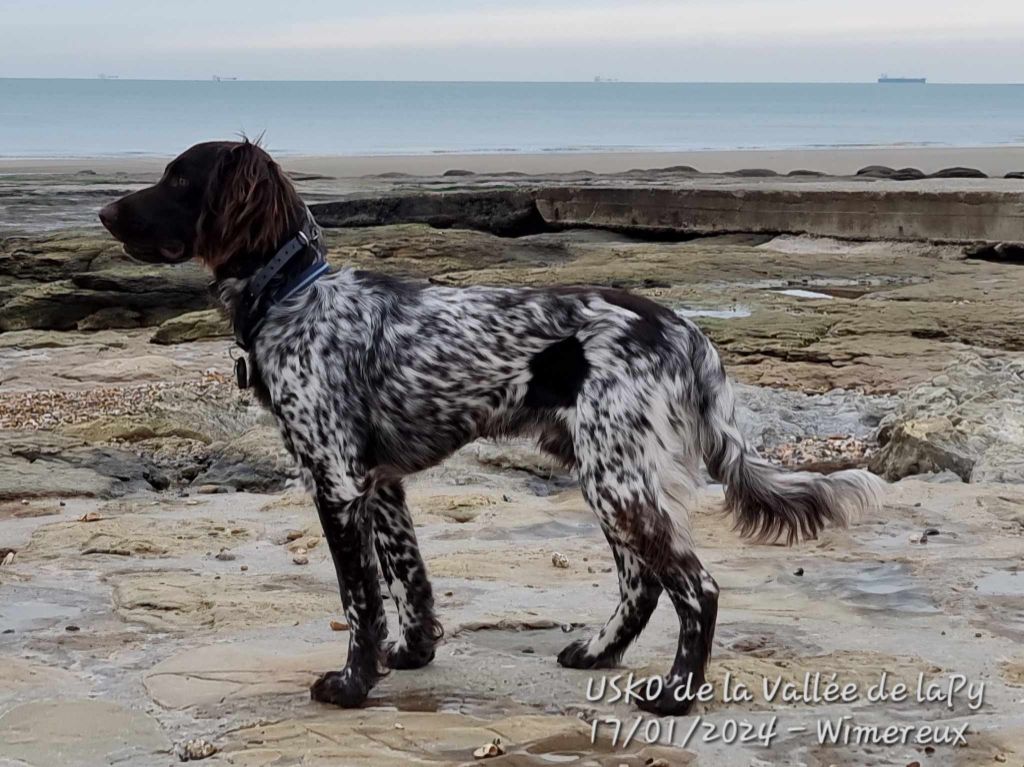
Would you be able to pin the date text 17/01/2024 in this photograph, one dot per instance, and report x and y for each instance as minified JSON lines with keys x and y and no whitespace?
{"x":836,"y":731}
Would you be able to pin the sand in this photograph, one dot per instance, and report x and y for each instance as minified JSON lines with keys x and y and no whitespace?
{"x":995,"y":161}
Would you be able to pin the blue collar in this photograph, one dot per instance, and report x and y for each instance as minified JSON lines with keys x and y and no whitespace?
{"x":254,"y":303}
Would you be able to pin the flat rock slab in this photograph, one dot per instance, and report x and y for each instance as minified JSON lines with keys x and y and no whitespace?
{"x":132,"y":536}
{"x":175,"y":601}
{"x":223,"y":673}
{"x":338,"y":738}
{"x":80,"y":733}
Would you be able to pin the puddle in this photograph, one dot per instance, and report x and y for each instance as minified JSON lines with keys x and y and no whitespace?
{"x":544,"y":643}
{"x":32,"y":608}
{"x":892,"y":537}
{"x":33,"y":615}
{"x":1002,"y":583}
{"x":538,"y":531}
{"x":421,"y":701}
{"x":736,"y":312}
{"x":877,"y":587}
{"x":799,"y":293}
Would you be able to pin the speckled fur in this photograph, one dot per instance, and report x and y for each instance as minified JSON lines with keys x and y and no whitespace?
{"x":372,"y":379}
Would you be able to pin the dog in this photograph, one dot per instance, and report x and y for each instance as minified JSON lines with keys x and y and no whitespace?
{"x":373,"y":378}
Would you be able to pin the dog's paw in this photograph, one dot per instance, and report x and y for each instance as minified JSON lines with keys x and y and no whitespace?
{"x":405,"y":656}
{"x":575,"y":655}
{"x":340,"y":688}
{"x":670,"y":700}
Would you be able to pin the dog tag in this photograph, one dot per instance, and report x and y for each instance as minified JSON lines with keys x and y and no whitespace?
{"x":241,"y":373}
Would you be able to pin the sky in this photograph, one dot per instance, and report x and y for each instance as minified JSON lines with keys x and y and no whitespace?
{"x":632,"y":40}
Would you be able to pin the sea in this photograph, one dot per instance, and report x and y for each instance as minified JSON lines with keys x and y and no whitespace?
{"x":42,"y":118}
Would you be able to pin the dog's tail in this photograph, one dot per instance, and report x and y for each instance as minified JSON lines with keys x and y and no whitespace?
{"x":768,"y":502}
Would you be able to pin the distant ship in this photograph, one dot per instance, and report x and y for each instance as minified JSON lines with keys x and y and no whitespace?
{"x":917,"y":80}
{"x":599,"y":79}
{"x":106,"y":77}
{"x":219,"y":79}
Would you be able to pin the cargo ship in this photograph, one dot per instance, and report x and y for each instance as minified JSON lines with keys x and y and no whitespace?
{"x":918,"y":80}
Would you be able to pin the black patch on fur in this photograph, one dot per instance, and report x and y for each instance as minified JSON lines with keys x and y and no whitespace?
{"x":557,"y":374}
{"x":649,"y":329}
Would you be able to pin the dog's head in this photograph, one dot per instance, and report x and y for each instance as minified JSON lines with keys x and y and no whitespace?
{"x":219,"y":201}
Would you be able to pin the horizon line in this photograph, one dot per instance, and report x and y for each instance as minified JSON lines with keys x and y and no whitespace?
{"x":227,"y":79}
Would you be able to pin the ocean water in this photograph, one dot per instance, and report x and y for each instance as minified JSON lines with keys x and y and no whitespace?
{"x":62,"y":118}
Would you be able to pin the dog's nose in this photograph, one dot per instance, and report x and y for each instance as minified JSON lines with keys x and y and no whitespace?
{"x":108,"y":215}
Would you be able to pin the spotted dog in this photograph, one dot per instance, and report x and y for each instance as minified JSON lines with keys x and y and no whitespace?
{"x":372,"y":379}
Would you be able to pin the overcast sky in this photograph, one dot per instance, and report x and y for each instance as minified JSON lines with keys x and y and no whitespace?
{"x":685,"y":40}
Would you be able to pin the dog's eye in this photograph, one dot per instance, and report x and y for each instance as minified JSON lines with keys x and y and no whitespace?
{"x":179,"y":182}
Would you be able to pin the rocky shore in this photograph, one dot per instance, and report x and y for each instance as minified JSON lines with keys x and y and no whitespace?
{"x":165,"y":594}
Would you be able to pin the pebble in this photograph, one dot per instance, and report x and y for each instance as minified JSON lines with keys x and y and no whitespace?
{"x":799,"y":571}
{"x":243,"y":568}
{"x":339,"y":626}
{"x":72,"y":628}
{"x":560,"y":560}
{"x":51,"y":408}
{"x":225,"y":556}
{"x":293,"y":535}
{"x":198,"y":748}
{"x":301,"y":560}
{"x":8,"y":559}
{"x":931,"y":531}
{"x":490,"y":750}
{"x":90,"y":516}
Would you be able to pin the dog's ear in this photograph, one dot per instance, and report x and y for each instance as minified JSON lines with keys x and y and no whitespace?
{"x":249,"y":208}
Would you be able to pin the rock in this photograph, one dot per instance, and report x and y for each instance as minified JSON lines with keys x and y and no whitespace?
{"x":908,"y":174}
{"x":506,"y":213}
{"x":752,"y":173}
{"x":970,"y":421}
{"x":197,"y":748}
{"x":58,"y":256}
{"x":125,"y":370}
{"x":489,"y":750}
{"x":560,"y":561}
{"x":186,"y":602}
{"x":300,"y":559}
{"x":132,"y":429}
{"x":803,"y":172}
{"x":135,"y":535}
{"x":254,"y":461}
{"x":876,"y":171}
{"x":458,"y":172}
{"x":154,"y":293}
{"x":53,"y":339}
{"x":1015,"y":174}
{"x":111,"y":317}
{"x":42,"y":464}
{"x":517,"y":455}
{"x":959,"y":172}
{"x":72,"y":733}
{"x":193,"y":326}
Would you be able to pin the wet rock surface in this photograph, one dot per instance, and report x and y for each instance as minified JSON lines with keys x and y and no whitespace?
{"x":153,"y":599}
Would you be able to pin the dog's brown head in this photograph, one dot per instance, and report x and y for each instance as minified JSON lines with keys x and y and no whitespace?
{"x":220,"y":201}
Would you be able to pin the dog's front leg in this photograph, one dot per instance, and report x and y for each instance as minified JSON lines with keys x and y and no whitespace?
{"x":349,"y":533}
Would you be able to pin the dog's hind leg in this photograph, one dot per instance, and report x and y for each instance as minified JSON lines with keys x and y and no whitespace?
{"x":406,"y":576}
{"x":636,"y":472}
{"x":638,"y":596}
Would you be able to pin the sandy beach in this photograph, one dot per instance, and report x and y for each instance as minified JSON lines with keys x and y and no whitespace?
{"x":994,"y":161}
{"x":165,"y":591}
